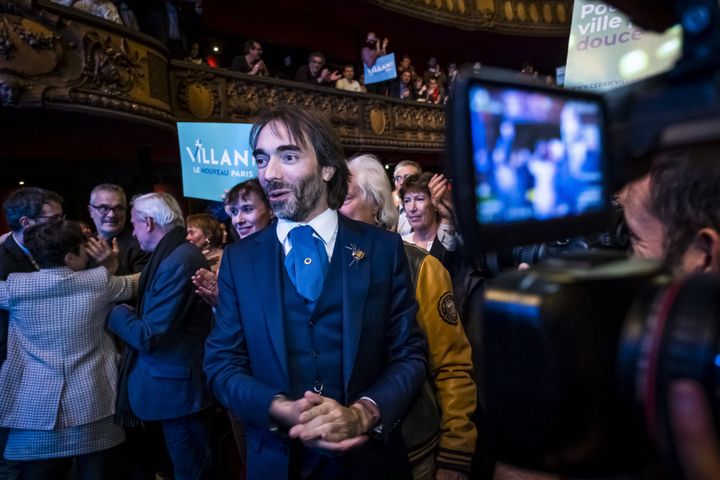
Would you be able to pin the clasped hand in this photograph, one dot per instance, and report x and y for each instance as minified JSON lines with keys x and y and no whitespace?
{"x":321,"y":422}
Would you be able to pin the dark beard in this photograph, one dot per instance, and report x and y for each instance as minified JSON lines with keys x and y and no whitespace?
{"x":304,"y":198}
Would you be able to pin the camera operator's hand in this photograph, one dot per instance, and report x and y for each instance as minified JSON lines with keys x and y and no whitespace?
{"x":691,"y":419}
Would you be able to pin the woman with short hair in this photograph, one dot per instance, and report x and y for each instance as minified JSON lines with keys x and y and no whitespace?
{"x":433,"y":228}
{"x":205,"y":232}
{"x":446,"y":443}
{"x":59,"y":381}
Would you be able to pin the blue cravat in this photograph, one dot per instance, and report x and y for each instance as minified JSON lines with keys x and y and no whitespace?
{"x":307,"y":262}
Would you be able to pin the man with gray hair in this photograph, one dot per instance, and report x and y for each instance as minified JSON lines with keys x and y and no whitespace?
{"x":165,"y":335}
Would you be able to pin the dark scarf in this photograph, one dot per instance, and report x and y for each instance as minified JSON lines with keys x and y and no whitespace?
{"x":174,"y":238}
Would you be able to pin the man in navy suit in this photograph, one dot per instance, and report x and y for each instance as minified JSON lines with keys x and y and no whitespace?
{"x":165,"y":336}
{"x":315,"y":365}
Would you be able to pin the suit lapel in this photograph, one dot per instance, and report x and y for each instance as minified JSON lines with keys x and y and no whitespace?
{"x":23,"y":263}
{"x":266,"y":267}
{"x":355,"y":285}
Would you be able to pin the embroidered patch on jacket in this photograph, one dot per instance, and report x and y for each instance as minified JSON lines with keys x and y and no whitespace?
{"x":446,"y":308}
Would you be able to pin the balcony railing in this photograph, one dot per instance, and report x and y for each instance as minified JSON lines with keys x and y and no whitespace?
{"x":54,"y":57}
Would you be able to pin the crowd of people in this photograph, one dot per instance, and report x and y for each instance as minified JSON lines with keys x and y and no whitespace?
{"x":137,"y":296}
{"x":329,"y":323}
{"x":434,"y":85}
{"x":170,"y":20}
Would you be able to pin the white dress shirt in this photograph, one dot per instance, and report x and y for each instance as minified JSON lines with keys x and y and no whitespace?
{"x":325,"y":226}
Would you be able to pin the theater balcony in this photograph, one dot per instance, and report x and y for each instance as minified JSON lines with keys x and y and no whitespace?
{"x":90,"y":88}
{"x":365,"y":122}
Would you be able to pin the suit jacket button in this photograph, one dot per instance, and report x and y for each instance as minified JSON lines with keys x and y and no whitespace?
{"x":315,"y":354}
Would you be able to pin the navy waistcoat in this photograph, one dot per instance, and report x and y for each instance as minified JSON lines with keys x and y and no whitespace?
{"x":313,"y":336}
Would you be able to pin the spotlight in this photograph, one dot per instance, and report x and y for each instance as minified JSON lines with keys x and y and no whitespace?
{"x":21,"y":182}
{"x":216,"y":48}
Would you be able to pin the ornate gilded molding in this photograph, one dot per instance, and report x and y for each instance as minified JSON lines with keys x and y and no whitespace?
{"x":363,"y":120}
{"x":53,"y":57}
{"x":57,"y":57}
{"x":517,"y":17}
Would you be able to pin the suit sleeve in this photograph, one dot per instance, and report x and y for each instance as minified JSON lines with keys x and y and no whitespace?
{"x":165,"y":305}
{"x":450,"y":365}
{"x":406,"y":369}
{"x":227,"y":362}
{"x":122,"y":288}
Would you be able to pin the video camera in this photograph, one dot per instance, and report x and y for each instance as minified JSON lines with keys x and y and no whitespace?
{"x":579,"y":351}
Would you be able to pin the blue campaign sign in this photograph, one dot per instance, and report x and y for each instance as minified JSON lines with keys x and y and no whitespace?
{"x":384,"y":69}
{"x":214,"y":157}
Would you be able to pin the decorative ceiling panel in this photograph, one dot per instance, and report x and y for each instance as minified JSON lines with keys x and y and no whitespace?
{"x":519,"y":17}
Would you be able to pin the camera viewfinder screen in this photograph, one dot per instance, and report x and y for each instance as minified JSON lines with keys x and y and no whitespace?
{"x":536,"y":156}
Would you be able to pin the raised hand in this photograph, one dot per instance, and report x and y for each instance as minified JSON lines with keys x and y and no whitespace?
{"x":441,"y":197}
{"x":206,"y":283}
{"x":103,"y":254}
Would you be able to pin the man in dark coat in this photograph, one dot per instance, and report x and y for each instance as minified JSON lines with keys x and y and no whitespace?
{"x":166,"y":336}
{"x":23,"y":208}
{"x":315,"y":344}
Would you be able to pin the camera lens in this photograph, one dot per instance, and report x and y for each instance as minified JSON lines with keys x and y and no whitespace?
{"x":671,"y":332}
{"x":564,"y":360}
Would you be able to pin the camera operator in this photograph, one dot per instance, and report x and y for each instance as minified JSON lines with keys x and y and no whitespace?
{"x":681,"y":196}
{"x":672,"y":214}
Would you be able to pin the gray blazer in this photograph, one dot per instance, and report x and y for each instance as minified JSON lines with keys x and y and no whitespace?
{"x":61,"y":367}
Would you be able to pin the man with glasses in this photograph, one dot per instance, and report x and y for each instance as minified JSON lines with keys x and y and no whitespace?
{"x":23,"y":209}
{"x":108,"y":210}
